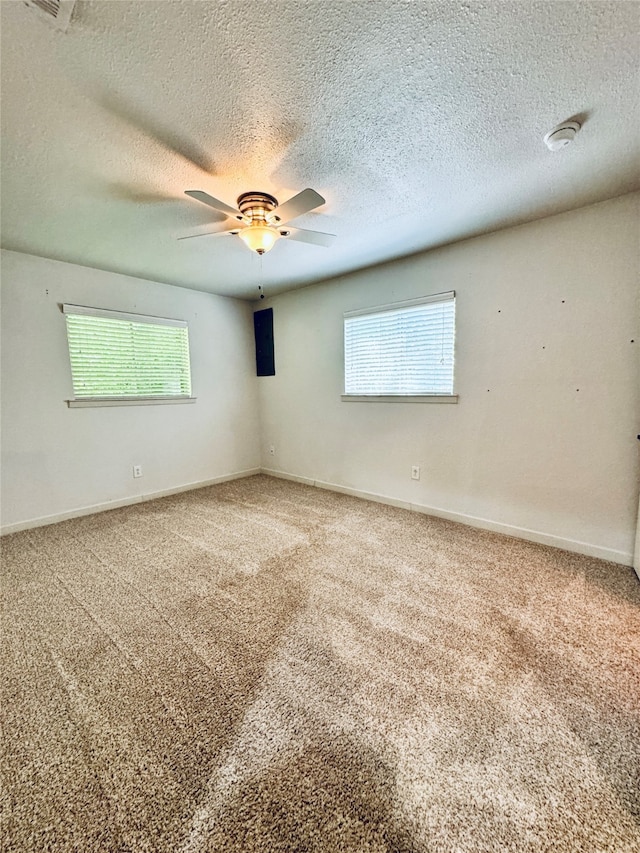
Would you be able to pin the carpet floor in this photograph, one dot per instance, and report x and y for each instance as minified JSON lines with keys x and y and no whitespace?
{"x":265,"y":666}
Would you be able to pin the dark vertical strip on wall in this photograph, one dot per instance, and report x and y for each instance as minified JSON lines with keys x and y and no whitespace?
{"x":263,"y":330}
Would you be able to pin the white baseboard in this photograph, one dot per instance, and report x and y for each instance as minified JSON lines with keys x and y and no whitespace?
{"x":134,"y":499}
{"x":282,"y":475}
{"x":577,"y":547}
{"x":574,"y":545}
{"x":586,"y":548}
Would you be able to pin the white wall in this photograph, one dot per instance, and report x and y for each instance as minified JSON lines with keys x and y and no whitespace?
{"x":543,"y":310}
{"x":523,"y":451}
{"x":57,"y":460}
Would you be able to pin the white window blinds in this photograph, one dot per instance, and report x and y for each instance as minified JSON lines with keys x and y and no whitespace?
{"x":404,"y":349}
{"x":123,"y":356}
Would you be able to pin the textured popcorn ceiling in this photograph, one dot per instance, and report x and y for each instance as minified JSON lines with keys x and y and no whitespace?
{"x":420,"y":123}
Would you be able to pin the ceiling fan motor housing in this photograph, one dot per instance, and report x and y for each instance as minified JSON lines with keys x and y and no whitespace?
{"x":257,"y":206}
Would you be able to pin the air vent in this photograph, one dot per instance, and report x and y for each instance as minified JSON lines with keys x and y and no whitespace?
{"x":56,"y":13}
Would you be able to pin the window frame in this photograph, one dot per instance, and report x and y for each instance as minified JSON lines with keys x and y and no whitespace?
{"x":129,"y":399}
{"x":446,"y":296}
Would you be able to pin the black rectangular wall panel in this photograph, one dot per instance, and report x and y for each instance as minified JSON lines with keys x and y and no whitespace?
{"x":263,"y":330}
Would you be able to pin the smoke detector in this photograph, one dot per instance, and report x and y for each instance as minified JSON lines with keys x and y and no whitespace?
{"x":56,"y":13}
{"x":561,"y":135}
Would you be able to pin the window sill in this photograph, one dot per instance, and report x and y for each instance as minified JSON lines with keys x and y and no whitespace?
{"x":92,"y":402}
{"x":399,"y":398}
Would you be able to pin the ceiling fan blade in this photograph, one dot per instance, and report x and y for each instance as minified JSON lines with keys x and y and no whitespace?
{"x":302,"y":203}
{"x":318,"y":238}
{"x":215,"y":203}
{"x":232,"y":231}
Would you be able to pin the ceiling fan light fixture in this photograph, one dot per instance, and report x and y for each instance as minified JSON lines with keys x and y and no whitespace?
{"x":265,"y":220}
{"x":259,"y":238}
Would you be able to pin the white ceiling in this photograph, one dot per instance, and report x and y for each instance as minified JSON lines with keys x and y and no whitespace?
{"x":420,"y":123}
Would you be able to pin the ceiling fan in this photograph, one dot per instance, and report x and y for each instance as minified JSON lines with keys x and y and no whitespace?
{"x":262,"y":219}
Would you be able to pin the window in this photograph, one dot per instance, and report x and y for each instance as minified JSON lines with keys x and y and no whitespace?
{"x":401,"y":350}
{"x":121,"y":358}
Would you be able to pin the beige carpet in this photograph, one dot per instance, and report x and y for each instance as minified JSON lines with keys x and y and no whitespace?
{"x":264,"y":666}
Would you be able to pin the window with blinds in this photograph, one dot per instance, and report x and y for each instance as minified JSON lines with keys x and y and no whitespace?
{"x":404,"y":349}
{"x":116,"y":356}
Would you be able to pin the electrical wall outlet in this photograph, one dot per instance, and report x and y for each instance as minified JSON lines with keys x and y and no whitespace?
{"x":415,"y":472}
{"x":272,"y":450}
{"x":137,"y":470}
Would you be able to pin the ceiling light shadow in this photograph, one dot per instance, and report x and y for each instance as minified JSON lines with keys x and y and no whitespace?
{"x":582,"y":118}
{"x":138,"y":194}
{"x":169,"y":139}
